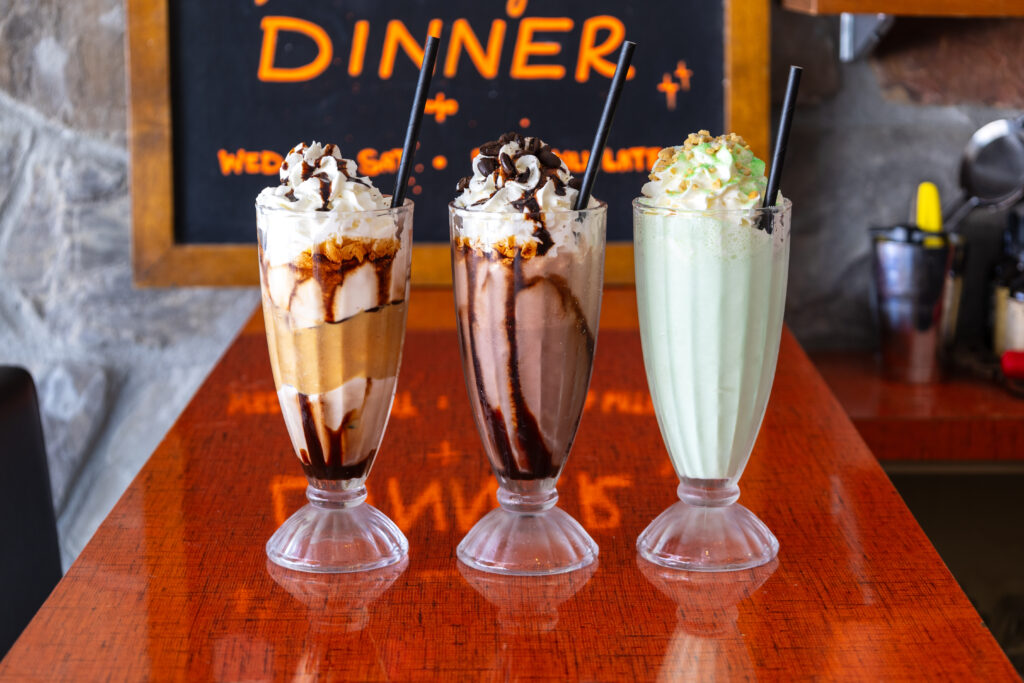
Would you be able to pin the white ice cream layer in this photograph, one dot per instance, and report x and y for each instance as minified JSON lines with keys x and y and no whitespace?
{"x":329,"y":409}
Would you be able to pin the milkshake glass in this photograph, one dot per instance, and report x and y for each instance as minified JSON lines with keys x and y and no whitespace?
{"x":527,"y":273}
{"x":334,"y":281}
{"x":711,"y":289}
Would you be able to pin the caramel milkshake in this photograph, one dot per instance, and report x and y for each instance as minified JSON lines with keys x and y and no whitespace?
{"x":334,"y":267}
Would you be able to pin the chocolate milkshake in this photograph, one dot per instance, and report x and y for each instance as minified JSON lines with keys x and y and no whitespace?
{"x":528,"y":294}
{"x":527,"y":272}
{"x":334,"y":266}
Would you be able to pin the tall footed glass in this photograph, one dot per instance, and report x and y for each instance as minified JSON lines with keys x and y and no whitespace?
{"x":527,"y":317}
{"x":334,"y":287}
{"x":711,"y":289}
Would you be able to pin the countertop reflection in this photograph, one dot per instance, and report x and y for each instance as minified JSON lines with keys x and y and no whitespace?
{"x":175,"y":584}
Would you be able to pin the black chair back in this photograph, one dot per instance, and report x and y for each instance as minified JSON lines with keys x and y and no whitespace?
{"x":29,"y":554}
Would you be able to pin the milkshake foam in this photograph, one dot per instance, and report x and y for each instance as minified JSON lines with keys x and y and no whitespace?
{"x":711,"y":288}
{"x":334,"y":265}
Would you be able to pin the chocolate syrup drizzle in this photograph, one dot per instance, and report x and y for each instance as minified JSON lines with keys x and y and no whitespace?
{"x":323,"y":459}
{"x":503,"y":166}
{"x":330,"y":275}
{"x":541,"y":462}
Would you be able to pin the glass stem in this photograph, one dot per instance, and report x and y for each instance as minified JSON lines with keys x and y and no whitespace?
{"x":335,"y":499}
{"x":528,"y":502}
{"x":708,"y":496}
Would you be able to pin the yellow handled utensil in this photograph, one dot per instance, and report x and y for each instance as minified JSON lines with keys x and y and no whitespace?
{"x":929,"y":213}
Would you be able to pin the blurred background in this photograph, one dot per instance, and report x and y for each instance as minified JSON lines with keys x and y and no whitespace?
{"x":115,"y":365}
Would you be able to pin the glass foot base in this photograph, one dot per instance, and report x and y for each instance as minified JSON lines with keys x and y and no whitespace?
{"x":337,"y":540}
{"x":707,"y":539}
{"x":527,"y":543}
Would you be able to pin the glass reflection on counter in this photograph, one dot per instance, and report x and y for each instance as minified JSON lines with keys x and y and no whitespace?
{"x":529,"y":644}
{"x":707,"y":643}
{"x":338,"y":608}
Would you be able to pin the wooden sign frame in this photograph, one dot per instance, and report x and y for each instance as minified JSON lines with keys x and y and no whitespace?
{"x":159,"y":261}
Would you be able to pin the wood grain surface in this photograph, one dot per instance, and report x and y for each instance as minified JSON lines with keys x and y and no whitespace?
{"x":175,"y":584}
{"x":954,"y":420}
{"x":929,"y":8}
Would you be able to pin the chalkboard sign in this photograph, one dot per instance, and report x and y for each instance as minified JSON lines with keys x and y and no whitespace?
{"x":220,"y":90}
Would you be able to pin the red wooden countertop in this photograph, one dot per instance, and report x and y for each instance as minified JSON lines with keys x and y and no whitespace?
{"x":958,"y":419}
{"x":175,"y":584}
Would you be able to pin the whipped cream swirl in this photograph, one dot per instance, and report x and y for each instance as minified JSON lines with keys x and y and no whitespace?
{"x":706,"y":173}
{"x":321,"y":198}
{"x":317,"y":177}
{"x":518,"y":174}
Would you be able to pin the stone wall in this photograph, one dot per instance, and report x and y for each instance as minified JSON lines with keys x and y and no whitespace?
{"x":115,"y":365}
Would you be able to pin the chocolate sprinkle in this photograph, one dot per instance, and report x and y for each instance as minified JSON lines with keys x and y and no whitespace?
{"x":487,"y":166}
{"x":549,"y":158}
{"x":491,"y":148}
{"x":507,"y":165}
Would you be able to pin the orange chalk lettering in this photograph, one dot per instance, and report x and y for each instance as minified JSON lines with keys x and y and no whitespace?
{"x":445,"y":453}
{"x":231,"y":163}
{"x":467,"y":513}
{"x":608,"y":161}
{"x":639,"y":155}
{"x":271,"y":25}
{"x":486,"y":62}
{"x":515,"y":8}
{"x":238,"y":403}
{"x":403,"y":405}
{"x":591,"y":55}
{"x":598,"y":510}
{"x":280,"y":487}
{"x":252,"y":163}
{"x":440,"y":108}
{"x":430,"y":496}
{"x":270,"y":162}
{"x":526,"y":48}
{"x":356,"y":55}
{"x":652,"y":157}
{"x":683,"y":74}
{"x":670,"y":88}
{"x":397,"y":35}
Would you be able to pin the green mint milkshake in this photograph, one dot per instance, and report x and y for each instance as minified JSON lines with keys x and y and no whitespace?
{"x":711,"y":269}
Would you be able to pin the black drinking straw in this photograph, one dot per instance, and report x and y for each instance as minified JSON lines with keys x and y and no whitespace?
{"x":412,"y":132}
{"x":610,"y":102}
{"x":779,"y":154}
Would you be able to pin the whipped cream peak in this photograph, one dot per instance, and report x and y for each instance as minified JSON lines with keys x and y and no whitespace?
{"x":707,"y":173}
{"x":518,"y":174}
{"x":317,"y":177}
